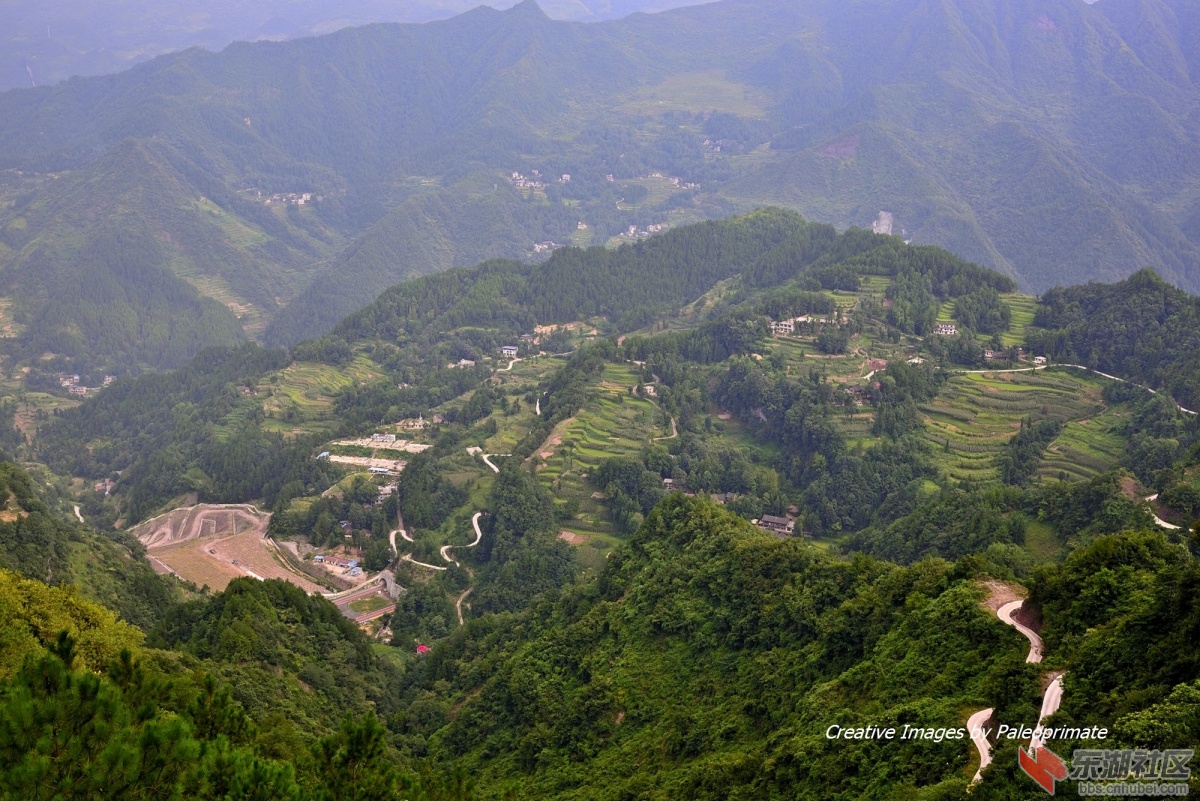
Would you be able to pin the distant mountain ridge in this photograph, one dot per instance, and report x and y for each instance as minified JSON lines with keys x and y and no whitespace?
{"x":48,"y":42}
{"x":1054,"y":141}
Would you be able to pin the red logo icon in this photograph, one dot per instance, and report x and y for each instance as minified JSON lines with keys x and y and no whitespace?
{"x":1043,"y":766}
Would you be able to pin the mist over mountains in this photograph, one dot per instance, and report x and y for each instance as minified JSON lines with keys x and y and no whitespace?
{"x":1053,"y":141}
{"x":47,"y":42}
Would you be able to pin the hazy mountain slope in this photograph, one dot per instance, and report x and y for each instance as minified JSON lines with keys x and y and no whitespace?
{"x":424,"y":234}
{"x":44,"y":43}
{"x":1054,"y":141}
{"x":1049,"y":135}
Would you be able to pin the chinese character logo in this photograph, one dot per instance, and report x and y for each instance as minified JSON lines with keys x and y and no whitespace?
{"x":1043,"y":766}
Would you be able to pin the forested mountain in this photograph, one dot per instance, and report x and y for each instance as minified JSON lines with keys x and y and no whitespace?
{"x":45,"y":43}
{"x":741,"y":481}
{"x":1142,"y":329}
{"x":1029,"y":138}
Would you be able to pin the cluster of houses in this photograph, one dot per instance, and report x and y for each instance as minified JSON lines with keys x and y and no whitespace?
{"x":419,"y":423}
{"x":534,"y":182}
{"x":346,"y":565}
{"x":783,"y":327}
{"x":633,"y":232}
{"x":676,"y":182}
{"x":288,"y":198}
{"x":70,"y":382}
{"x":462,"y":363}
{"x":546,"y":247}
{"x":860,"y":393}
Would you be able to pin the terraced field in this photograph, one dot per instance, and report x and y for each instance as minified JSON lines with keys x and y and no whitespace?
{"x":975,"y":415}
{"x":1023,"y":308}
{"x":613,"y":423}
{"x":1086,"y":447}
{"x":303,"y":392}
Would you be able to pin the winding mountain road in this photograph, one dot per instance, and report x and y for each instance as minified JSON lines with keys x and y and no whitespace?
{"x":674,"y":433}
{"x":1051,"y":699}
{"x":408,"y":558}
{"x":459,"y":602}
{"x":478,"y":536}
{"x":1158,"y":521}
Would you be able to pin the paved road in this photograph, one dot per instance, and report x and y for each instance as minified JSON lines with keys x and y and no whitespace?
{"x":510,"y":366}
{"x":1006,"y":614}
{"x":478,"y":536}
{"x":408,"y":558}
{"x":1157,"y":520}
{"x":1051,"y":700}
{"x":487,"y":459}
{"x":77,"y":514}
{"x":975,"y":727}
{"x":377,"y":613}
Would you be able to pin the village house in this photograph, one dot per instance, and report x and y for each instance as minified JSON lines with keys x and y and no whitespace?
{"x":995,"y":355}
{"x":876,"y":365}
{"x":782,"y":327}
{"x":383,"y":439}
{"x":723,"y":498}
{"x":437,"y":420}
{"x":945,"y":329}
{"x":77,"y":390}
{"x":466,"y":362}
{"x":916,"y":360}
{"x":650,"y":391}
{"x":413,"y":424}
{"x":509,"y":351}
{"x":776,"y":524}
{"x":668,"y":484}
{"x":1039,"y":359}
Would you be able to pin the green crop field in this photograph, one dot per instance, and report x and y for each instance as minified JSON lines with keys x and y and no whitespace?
{"x":975,"y":415}
{"x":1086,"y":447}
{"x":1023,"y":308}
{"x":612,"y":423}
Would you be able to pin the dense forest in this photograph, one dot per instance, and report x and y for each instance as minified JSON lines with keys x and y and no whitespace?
{"x":1142,"y":329}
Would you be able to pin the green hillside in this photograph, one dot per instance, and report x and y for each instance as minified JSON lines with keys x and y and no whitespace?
{"x":660,"y":550}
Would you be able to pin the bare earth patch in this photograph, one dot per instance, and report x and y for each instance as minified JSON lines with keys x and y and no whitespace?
{"x":999,"y":593}
{"x":571,"y":538}
{"x":214,"y":544}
